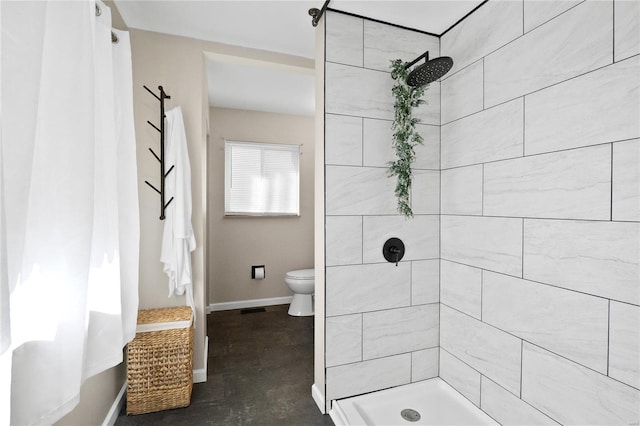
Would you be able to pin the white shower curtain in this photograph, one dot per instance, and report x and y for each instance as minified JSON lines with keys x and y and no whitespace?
{"x":69,"y":199}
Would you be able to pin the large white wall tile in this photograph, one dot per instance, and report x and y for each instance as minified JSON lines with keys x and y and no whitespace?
{"x":462,"y":190}
{"x":368,"y":376}
{"x":343,"y":240}
{"x":358,"y":91}
{"x":602,"y":106}
{"x":462,"y":93}
{"x":624,"y":341}
{"x":396,"y":331}
{"x":344,"y":39}
{"x":361,"y":288}
{"x":359,"y":190}
{"x":576,"y":42}
{"x":425,"y":281}
{"x":379,"y":151}
{"x":378,"y":148}
{"x":424,"y":364}
{"x":428,"y":154}
{"x":599,"y":258}
{"x":384,"y":43}
{"x":429,"y":112}
{"x":343,"y":140}
{"x":538,"y":12}
{"x":492,"y":352}
{"x":573,"y":184}
{"x":568,"y":323}
{"x":460,"y":376}
{"x":343,"y":339}
{"x":425,"y":192}
{"x":493,"y":134}
{"x":627,"y":28}
{"x":420,"y":236}
{"x":491,"y":26}
{"x":461,"y":288}
{"x":486,"y":242}
{"x":626,"y":181}
{"x":508,"y":409}
{"x":573,"y":394}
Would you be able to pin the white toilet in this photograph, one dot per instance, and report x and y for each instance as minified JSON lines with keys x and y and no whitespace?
{"x":302,"y":284}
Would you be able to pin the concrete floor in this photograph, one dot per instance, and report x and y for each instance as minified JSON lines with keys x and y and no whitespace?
{"x":260,"y":373}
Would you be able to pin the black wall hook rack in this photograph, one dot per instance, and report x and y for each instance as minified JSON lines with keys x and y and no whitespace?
{"x":160,"y":158}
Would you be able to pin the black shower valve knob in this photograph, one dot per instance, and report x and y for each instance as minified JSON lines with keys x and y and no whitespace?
{"x":393,"y":250}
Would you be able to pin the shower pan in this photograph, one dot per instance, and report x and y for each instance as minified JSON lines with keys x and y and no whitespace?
{"x":429,"y":402}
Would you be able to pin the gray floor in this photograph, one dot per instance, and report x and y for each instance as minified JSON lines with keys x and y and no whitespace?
{"x":260,"y":373}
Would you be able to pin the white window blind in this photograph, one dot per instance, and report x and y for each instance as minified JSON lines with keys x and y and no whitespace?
{"x":262,"y":179}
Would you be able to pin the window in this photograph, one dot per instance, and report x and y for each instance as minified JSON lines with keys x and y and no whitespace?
{"x":261,"y":179}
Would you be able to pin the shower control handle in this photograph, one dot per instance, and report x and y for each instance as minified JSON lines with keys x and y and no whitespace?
{"x":393,"y":250}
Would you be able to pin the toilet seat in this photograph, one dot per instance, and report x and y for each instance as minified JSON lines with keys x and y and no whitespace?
{"x":301,"y":274}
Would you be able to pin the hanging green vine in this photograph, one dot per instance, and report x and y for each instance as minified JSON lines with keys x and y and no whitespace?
{"x":405,"y":136}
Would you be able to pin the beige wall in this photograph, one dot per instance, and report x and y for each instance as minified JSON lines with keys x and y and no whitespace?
{"x":235,"y":243}
{"x":96,"y":398}
{"x":176,"y":63}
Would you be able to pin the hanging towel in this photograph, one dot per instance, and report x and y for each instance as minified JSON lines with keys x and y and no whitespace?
{"x":178,"y":240}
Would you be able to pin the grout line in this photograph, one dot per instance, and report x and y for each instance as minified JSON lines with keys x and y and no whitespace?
{"x":481,"y":291}
{"x":524,"y":124}
{"x":537,"y":154}
{"x":483,"y":85}
{"x":361,"y":336}
{"x":521,"y":353}
{"x":611,"y":194}
{"x":482,"y":193}
{"x":522,"y":257}
{"x":613,"y":33}
{"x":363,"y":48}
{"x":608,"y":334}
{"x":526,"y":217}
{"x":523,"y":4}
{"x":362,"y":141}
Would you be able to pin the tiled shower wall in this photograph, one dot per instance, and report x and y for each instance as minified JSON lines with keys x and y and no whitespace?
{"x":382,"y":320}
{"x":540,"y":224}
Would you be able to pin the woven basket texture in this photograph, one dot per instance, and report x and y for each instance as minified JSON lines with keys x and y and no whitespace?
{"x":160,"y":363}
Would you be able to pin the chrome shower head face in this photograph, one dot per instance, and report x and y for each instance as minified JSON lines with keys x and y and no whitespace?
{"x":430,"y":71}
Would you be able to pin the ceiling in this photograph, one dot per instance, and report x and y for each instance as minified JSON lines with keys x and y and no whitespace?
{"x":273,"y":26}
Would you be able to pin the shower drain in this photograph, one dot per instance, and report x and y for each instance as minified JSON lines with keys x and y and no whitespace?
{"x":410,"y":415}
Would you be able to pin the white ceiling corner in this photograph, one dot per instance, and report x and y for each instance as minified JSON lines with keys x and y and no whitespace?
{"x":282,"y":26}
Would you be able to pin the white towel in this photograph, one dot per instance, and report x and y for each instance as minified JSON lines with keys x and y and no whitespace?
{"x":178,"y":240}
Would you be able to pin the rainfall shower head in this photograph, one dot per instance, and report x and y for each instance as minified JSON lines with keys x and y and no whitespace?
{"x":428,"y":72}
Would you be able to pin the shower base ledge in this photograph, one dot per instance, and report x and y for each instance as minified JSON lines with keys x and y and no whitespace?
{"x":436,"y":402}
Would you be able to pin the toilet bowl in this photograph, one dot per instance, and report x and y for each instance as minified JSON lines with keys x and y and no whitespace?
{"x":302,"y":284}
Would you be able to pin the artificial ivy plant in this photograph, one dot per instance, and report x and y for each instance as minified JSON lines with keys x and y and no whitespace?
{"x":405,"y":136}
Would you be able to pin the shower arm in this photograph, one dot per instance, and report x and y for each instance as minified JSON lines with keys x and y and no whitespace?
{"x":425,"y":55}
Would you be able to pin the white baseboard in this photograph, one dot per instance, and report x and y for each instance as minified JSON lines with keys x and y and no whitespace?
{"x":318,"y":397}
{"x":116,"y":407}
{"x":200,"y":375}
{"x":242,"y":304}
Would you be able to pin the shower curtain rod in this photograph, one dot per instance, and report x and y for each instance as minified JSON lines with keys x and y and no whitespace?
{"x":317,"y":13}
{"x":114,"y":38}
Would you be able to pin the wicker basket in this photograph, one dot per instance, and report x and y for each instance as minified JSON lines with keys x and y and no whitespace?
{"x":160,"y":362}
